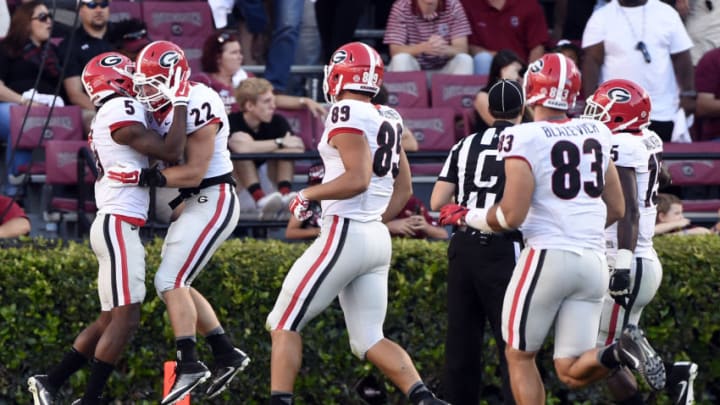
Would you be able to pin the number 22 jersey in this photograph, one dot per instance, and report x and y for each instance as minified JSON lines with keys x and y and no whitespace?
{"x":568,"y":160}
{"x":382,"y":127}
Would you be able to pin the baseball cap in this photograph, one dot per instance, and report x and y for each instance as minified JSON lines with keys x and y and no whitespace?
{"x":128,"y":35}
{"x":505,"y":96}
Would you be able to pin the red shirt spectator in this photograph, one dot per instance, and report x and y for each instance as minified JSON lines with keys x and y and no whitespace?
{"x":517,"y":24}
{"x":13,"y":220}
{"x":707,"y":84}
{"x":407,"y":25}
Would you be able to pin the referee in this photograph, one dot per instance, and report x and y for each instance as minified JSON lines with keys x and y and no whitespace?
{"x":479,"y":264}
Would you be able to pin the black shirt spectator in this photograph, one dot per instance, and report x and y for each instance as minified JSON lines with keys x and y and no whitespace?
{"x":267,"y":130}
{"x":84,"y":48}
{"x":19,"y":72}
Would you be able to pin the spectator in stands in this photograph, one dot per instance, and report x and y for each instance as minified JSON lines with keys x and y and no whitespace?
{"x":88,"y":41}
{"x":408,"y":141}
{"x":703,"y":26}
{"x":506,"y":64}
{"x":670,"y":218}
{"x":569,"y":49}
{"x":428,"y":35}
{"x":286,"y":21}
{"x":643,"y":41}
{"x":518,"y":25}
{"x":570,"y":17}
{"x":13,"y":220}
{"x":707,"y":84}
{"x":21,"y":53}
{"x":336,"y":22}
{"x":129,"y":37}
{"x":414,"y":221}
{"x":222,"y":71}
{"x":258,"y":129}
{"x":4,"y":18}
{"x":309,"y":228}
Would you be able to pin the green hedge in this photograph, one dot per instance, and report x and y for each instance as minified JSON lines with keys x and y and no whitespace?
{"x":48,"y":294}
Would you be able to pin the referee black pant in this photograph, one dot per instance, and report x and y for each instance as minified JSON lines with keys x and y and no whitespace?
{"x":479,"y":270}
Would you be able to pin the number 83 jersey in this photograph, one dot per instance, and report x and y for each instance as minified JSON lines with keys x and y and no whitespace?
{"x":568,"y":160}
{"x":382,"y":127}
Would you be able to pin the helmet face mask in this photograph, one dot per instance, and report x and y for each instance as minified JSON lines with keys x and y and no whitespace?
{"x":108,"y":74}
{"x":354,"y":66}
{"x":622,"y":105}
{"x":553,"y":81}
{"x":156,"y":67}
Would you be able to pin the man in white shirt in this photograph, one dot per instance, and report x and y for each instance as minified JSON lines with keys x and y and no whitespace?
{"x":646,"y":42}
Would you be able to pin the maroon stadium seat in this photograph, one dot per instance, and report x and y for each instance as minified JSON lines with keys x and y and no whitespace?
{"x":433,"y":128}
{"x":406,"y":89}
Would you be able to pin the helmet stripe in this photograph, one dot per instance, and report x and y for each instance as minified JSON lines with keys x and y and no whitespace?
{"x":562,"y":79}
{"x":373,"y":62}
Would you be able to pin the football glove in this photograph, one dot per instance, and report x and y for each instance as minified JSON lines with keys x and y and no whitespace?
{"x":300,"y":207}
{"x":453,"y":214}
{"x":123,"y":175}
{"x":179,"y":92}
{"x":619,"y":287}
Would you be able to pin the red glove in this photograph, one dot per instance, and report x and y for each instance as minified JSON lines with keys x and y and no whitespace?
{"x":453,"y":214}
{"x":123,"y":175}
{"x":300,"y":207}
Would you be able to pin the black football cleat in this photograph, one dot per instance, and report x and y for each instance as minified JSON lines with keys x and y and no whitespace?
{"x":43,"y":393}
{"x":226,"y":368}
{"x":635,"y":352}
{"x":188,"y":375}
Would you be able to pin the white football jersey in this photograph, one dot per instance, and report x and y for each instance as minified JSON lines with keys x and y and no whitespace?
{"x":642,"y":152}
{"x":568,"y":160}
{"x":116,"y":113}
{"x":382,"y":127}
{"x":205,"y":107}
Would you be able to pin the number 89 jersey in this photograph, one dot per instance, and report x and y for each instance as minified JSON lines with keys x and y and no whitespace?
{"x":568,"y":160}
{"x":382,"y":127}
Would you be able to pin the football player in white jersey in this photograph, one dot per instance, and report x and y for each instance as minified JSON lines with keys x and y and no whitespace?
{"x":367,"y":179}
{"x":210,"y":214}
{"x":636,"y":271}
{"x":119,"y":133}
{"x":561,"y":190}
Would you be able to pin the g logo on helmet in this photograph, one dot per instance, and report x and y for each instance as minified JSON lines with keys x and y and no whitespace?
{"x":619,"y":94}
{"x":339,"y":56}
{"x":111,"y":60}
{"x":536,"y":66}
{"x":169,"y":59}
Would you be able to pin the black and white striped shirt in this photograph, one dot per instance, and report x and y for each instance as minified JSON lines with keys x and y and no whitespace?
{"x":476,"y":169}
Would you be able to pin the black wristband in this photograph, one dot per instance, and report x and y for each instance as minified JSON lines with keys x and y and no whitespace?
{"x":152,"y":177}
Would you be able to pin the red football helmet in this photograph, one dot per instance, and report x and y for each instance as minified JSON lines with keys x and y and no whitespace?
{"x":156,"y":64}
{"x":353,"y":66}
{"x":552,"y":81}
{"x":620,"y":104}
{"x":107,"y":74}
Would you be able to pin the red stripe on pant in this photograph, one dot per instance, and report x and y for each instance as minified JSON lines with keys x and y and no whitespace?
{"x":516,"y":298}
{"x":309,"y":274}
{"x":125,"y":284}
{"x":203,"y":236}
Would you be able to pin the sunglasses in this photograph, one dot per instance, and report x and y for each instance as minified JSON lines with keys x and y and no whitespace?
{"x":43,"y":17}
{"x":224,"y":37}
{"x":643,"y":48}
{"x":135,"y":35}
{"x":93,"y":5}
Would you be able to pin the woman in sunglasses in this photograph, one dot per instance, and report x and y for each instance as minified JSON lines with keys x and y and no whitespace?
{"x":24,"y":54}
{"x":222,"y":71}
